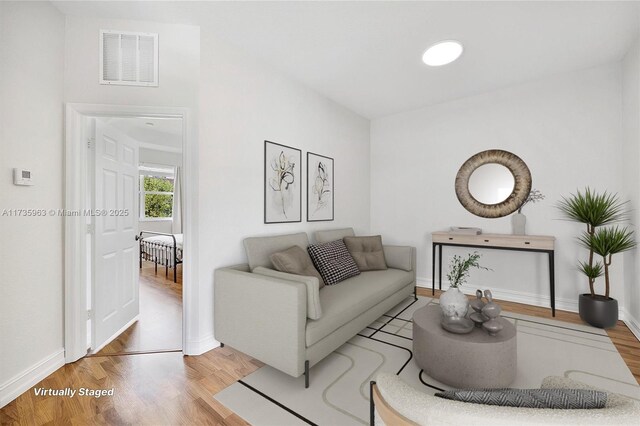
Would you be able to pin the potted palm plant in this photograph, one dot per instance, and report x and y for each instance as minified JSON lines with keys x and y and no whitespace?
{"x":603,"y":239}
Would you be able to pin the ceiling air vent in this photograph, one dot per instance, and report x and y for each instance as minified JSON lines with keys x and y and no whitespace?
{"x":128,"y":58}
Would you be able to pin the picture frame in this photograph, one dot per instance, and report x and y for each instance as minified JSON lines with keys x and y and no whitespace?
{"x":282,"y":183}
{"x":320,"y":188}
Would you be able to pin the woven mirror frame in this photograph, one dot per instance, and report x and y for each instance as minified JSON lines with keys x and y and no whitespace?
{"x":521,"y":188}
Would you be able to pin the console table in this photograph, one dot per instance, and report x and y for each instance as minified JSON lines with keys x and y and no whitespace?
{"x":533,"y":243}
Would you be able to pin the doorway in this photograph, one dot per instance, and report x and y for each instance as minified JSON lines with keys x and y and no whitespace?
{"x":138,"y":308}
{"x":131,"y":177}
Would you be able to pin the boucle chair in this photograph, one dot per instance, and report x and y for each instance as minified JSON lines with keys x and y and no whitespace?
{"x":396,"y":403}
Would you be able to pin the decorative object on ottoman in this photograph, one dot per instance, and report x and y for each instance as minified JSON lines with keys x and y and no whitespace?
{"x":474,"y":360}
{"x":597,"y":211}
{"x":453,"y":302}
{"x":478,"y":317}
{"x":457,"y":325}
{"x":519,"y":220}
{"x":492,"y":311}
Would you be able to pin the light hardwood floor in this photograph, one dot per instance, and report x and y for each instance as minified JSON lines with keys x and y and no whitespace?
{"x":167,"y":388}
{"x":159,"y":326}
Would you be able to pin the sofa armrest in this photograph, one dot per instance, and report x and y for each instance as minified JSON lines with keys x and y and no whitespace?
{"x":261,"y":316}
{"x":400,"y":257}
{"x":314,"y":310}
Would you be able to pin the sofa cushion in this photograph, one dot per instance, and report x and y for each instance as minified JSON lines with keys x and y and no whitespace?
{"x":295,"y":260}
{"x":367,"y":252}
{"x":259,"y":249}
{"x":333,"y":261}
{"x":314,"y":309}
{"x":530,"y":398}
{"x":342,"y":303}
{"x":400,"y":257}
{"x":333,"y":234}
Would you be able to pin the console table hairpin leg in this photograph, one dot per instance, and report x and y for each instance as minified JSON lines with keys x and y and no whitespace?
{"x":438,"y":246}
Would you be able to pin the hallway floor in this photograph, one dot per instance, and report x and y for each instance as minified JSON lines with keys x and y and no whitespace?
{"x":159,"y":327}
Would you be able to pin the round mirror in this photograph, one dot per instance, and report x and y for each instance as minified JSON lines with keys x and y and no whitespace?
{"x":491,"y":183}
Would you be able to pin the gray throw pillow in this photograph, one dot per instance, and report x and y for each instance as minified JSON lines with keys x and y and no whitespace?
{"x":333,"y":261}
{"x":295,"y":260}
{"x":531,"y":398}
{"x":367,"y":252}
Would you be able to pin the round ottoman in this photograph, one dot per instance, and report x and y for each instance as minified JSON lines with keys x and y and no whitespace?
{"x":474,"y":360}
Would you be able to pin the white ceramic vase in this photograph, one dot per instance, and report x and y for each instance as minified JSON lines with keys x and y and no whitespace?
{"x":518,"y":223}
{"x":454,"y":303}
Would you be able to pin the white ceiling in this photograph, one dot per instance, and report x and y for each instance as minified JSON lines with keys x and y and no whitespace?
{"x":163,"y":134}
{"x":367,"y":55}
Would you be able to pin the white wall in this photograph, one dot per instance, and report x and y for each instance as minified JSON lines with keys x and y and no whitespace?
{"x":179,"y":55}
{"x":631,"y":155}
{"x":31,"y":127}
{"x":567,"y":129}
{"x":244,"y":103}
{"x":154,"y":156}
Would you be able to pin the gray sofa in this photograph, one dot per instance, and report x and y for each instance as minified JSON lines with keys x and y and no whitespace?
{"x":285,"y":320}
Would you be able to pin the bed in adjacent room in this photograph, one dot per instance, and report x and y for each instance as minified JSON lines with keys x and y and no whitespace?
{"x":162,"y":249}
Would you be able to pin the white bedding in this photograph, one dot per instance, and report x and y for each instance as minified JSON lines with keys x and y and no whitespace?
{"x":165,"y":240}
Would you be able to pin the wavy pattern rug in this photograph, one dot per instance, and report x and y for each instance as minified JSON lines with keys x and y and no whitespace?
{"x":339,"y":389}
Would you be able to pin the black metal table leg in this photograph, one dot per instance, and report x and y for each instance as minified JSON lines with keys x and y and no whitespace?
{"x":433,"y":269}
{"x":552,"y":284}
{"x":440,"y":267}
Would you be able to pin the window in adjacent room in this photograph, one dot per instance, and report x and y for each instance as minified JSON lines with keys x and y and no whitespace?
{"x":156,"y":191}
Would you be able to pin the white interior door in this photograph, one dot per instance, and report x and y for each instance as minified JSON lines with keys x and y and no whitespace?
{"x":115,"y":295}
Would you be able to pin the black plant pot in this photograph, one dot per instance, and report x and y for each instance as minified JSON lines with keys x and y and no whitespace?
{"x":599,"y":311}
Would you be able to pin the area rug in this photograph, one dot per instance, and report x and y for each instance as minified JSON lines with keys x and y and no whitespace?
{"x":339,"y":390}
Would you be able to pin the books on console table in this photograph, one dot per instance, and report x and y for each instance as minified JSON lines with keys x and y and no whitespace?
{"x":465,"y":230}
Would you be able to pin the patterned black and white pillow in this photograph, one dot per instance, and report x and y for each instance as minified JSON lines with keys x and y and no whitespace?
{"x":530,"y":398}
{"x":333,"y":261}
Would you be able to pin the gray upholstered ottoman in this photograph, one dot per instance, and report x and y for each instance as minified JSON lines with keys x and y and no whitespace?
{"x":474,"y":360}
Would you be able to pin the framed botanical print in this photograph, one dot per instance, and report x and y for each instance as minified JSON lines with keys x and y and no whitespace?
{"x":282,"y":183}
{"x":320,"y":189}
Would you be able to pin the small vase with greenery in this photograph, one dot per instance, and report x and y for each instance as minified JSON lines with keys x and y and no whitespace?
{"x":519,"y":220}
{"x":453,"y":302}
{"x":600,"y":212}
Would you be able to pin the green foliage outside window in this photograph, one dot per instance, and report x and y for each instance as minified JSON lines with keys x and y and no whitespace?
{"x":153,"y":183}
{"x":158,"y":205}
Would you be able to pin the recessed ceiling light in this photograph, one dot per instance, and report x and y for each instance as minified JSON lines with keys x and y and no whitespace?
{"x":442,"y":53}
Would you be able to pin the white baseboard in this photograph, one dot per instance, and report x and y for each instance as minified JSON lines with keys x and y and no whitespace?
{"x":513,"y":296}
{"x":21,"y":382}
{"x":631,"y":322}
{"x":198,"y":347}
